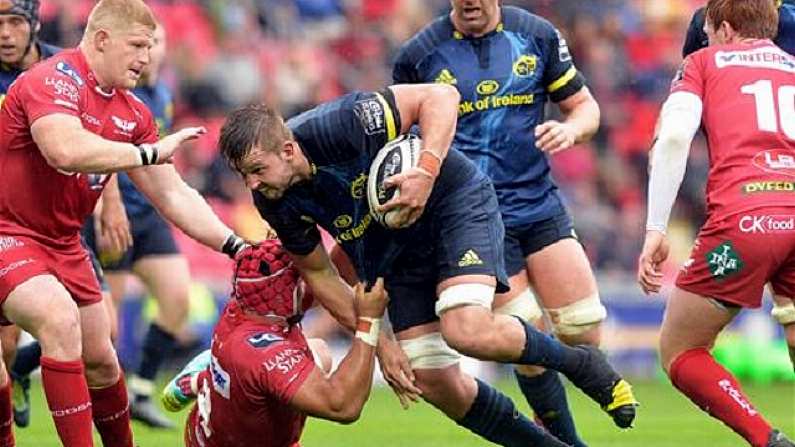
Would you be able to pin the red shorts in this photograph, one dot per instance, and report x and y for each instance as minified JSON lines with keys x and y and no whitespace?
{"x":22,"y":258}
{"x":733,"y":257}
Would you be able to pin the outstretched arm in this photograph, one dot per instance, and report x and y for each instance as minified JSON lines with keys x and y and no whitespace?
{"x":341,"y":396}
{"x":184,"y":207}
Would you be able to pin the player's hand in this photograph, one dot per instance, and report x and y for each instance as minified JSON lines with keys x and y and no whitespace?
{"x":113,"y":236}
{"x":554,"y":136}
{"x":370,"y":304}
{"x":415,"y":187}
{"x":655,"y":252}
{"x":167,"y":146}
{"x":397,"y":372}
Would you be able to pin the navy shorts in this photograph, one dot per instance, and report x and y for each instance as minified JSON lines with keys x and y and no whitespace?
{"x":523,"y":242}
{"x":462,"y":235}
{"x":103,"y":285}
{"x":151,"y":237}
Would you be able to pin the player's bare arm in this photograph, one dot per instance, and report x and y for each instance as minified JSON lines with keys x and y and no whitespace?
{"x":435,"y":108}
{"x":581,"y":121}
{"x":182,"y":205}
{"x":67,"y":146}
{"x":341,"y":396}
{"x":337,"y":296}
{"x":112,"y":226}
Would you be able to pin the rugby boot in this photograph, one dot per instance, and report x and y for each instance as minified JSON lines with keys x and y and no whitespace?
{"x":142,"y":409}
{"x":20,"y":399}
{"x":599,"y":381}
{"x":181,"y":390}
{"x":777,"y":439}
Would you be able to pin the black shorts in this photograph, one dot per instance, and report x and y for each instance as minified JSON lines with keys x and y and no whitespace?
{"x":523,"y":242}
{"x":151,"y":237}
{"x":103,"y":285}
{"x":462,"y":235}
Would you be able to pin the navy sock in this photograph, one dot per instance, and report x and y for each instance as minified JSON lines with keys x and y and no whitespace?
{"x":543,"y":350}
{"x":547,"y":397}
{"x":494,"y":417}
{"x":27,"y":360}
{"x":157,"y":345}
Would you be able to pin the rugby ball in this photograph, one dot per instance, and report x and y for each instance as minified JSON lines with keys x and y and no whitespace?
{"x":397,"y":156}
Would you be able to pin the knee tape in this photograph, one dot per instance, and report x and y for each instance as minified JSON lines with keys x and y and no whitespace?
{"x":523,"y":306}
{"x":578,"y":317}
{"x":471,"y":294}
{"x":784,"y":314}
{"x":429,"y":351}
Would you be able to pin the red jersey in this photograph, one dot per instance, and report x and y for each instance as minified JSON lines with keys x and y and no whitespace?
{"x":36,"y":200}
{"x":243,"y":400}
{"x":748,"y":92}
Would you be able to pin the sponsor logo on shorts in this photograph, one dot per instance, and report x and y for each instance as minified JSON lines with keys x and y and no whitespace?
{"x":768,"y":186}
{"x":776,"y":161}
{"x":724,"y":261}
{"x":767,"y":224}
{"x":469,"y":259}
{"x":8,"y":242}
{"x":735,"y":394}
{"x":13,"y":266}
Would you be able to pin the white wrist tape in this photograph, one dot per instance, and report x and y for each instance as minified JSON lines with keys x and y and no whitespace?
{"x":367,"y":330}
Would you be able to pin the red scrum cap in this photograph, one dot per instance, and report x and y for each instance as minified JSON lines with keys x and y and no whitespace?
{"x":267,"y":282}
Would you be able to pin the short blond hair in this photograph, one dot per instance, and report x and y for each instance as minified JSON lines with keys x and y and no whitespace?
{"x":119,"y":14}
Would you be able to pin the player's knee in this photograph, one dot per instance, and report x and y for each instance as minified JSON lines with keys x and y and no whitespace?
{"x":466,"y":318}
{"x":59,"y":333}
{"x":440,"y":385}
{"x":524,"y":306}
{"x":579,"y":322}
{"x":101,"y":366}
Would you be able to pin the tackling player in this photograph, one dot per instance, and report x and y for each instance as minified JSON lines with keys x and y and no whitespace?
{"x":65,"y":125}
{"x":743,"y":244}
{"x":783,"y":308}
{"x":19,"y":50}
{"x":262,"y":377}
{"x":507,"y":64}
{"x":441,"y":264}
{"x":153,"y":256}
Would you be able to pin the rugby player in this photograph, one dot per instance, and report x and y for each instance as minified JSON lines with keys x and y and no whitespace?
{"x":508,"y":64}
{"x":742,"y":73}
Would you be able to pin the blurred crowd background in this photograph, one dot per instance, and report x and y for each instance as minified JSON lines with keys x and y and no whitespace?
{"x":293,"y":54}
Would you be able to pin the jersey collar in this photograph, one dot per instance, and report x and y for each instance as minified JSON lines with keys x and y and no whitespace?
{"x":92,"y":83}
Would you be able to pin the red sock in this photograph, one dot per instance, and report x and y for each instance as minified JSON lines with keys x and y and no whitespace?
{"x":6,"y":417}
{"x":112,"y":414}
{"x":67,"y":396}
{"x":717,"y":392}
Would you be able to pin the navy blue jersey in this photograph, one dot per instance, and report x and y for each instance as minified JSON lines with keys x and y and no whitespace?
{"x":9,"y":74}
{"x":697,"y":39}
{"x":340,"y":139}
{"x":505,"y":78}
{"x":159,"y":101}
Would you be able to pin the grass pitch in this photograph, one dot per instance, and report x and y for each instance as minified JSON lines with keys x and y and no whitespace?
{"x":666,"y":419}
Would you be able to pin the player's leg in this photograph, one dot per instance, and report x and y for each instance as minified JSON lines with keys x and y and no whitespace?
{"x":9,"y":338}
{"x":104,"y":377}
{"x":543,"y":388}
{"x":164,"y":271}
{"x":42,"y":306}
{"x":471,"y":403}
{"x":689,"y":329}
{"x":784,"y":313}
{"x":167,"y":278}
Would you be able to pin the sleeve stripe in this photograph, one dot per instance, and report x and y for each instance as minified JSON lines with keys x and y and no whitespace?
{"x":563,"y":80}
{"x":389,"y":117}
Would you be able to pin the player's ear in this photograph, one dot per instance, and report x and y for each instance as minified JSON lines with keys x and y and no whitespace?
{"x":289,"y":149}
{"x":101,"y":38}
